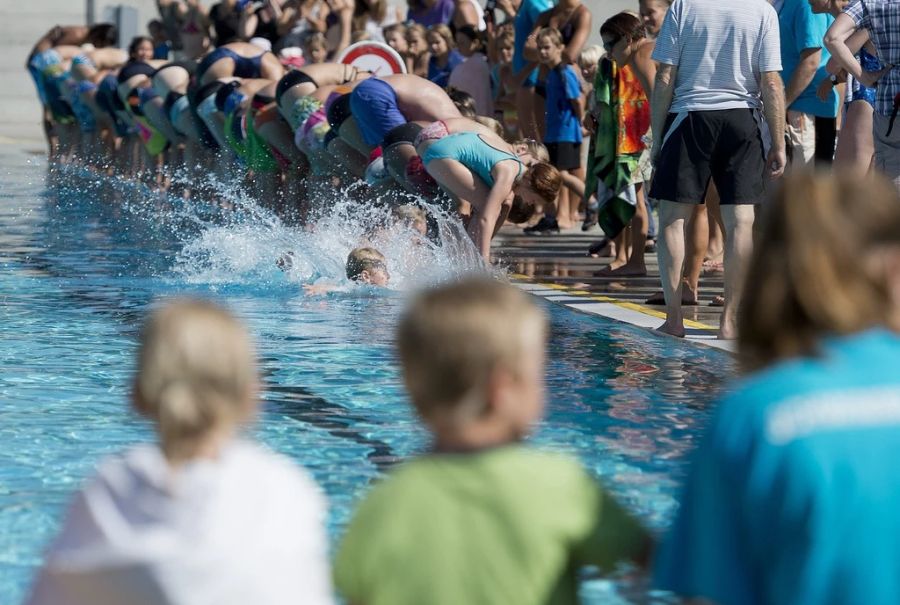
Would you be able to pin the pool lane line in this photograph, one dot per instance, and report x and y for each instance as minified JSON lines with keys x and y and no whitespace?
{"x":627,"y":312}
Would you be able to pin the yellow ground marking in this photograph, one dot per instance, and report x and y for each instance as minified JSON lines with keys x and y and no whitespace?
{"x":613,"y":301}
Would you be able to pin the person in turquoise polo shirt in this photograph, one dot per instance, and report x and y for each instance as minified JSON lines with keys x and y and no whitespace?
{"x":792,"y":495}
{"x":803,"y":61}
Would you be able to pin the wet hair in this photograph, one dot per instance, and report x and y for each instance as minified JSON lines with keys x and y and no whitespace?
{"x":818,"y":268}
{"x":544,"y":180}
{"x":453,"y":338}
{"x":135,"y":43}
{"x":590,"y":56}
{"x":624,"y":25}
{"x":364,"y":259}
{"x":464,"y":102}
{"x":552,"y":33}
{"x":408,"y":213}
{"x":444,"y":32}
{"x":103,"y":35}
{"x":196,"y":374}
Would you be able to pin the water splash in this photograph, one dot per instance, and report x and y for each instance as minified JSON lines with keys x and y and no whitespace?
{"x":227,"y":237}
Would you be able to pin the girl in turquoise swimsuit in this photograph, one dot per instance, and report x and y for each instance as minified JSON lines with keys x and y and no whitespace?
{"x":484,"y":170}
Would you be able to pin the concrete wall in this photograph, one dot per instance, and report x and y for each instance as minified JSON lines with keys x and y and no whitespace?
{"x":22,"y":22}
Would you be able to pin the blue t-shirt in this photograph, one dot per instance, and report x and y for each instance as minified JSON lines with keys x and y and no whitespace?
{"x":523,"y":25}
{"x":563,"y":125}
{"x":441,"y":75}
{"x":793,"y":493}
{"x":802,"y":29}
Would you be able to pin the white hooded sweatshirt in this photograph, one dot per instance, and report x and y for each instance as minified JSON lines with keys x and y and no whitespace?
{"x":246,"y":528}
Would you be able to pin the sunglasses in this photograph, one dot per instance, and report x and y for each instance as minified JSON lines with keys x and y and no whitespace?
{"x":608,"y":46}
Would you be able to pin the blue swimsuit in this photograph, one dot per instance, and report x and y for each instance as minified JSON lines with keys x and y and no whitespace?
{"x":470,"y":150}
{"x":244,"y":67}
{"x":864,"y":93}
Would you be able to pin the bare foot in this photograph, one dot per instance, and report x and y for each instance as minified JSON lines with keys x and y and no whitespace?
{"x":625,"y":270}
{"x":672,"y":329}
{"x":564,"y":225}
{"x":603,"y":248}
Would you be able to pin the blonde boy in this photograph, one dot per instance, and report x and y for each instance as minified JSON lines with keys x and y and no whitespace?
{"x":482,"y":518}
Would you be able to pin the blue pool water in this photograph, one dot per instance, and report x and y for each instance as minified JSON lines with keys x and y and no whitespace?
{"x":81,"y":259}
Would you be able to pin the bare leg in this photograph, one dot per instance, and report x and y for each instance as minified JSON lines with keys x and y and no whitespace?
{"x":564,"y":204}
{"x":716,"y":247}
{"x":738,"y":246}
{"x":673,"y":220}
{"x":697,"y":243}
{"x":855,"y":146}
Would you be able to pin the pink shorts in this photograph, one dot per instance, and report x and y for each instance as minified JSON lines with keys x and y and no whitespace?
{"x":432,"y":132}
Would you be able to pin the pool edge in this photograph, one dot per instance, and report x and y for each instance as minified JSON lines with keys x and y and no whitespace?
{"x":630,"y":313}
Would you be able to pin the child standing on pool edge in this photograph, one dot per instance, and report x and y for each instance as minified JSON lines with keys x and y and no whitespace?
{"x":564,"y":111}
{"x":203,"y":516}
{"x":482,"y":518}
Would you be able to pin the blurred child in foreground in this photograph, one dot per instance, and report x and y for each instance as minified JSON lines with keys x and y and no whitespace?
{"x":203,"y":516}
{"x":482,"y":518}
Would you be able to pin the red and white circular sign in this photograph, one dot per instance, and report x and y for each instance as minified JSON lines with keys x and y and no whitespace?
{"x":376,"y":57}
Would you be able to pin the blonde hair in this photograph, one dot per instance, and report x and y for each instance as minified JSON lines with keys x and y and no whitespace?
{"x":590,"y":56}
{"x":363,"y":259}
{"x":815,"y":270}
{"x":444,"y":32}
{"x":409,"y":214}
{"x":537,"y":149}
{"x":552,"y":34}
{"x":196,"y":374}
{"x":453,"y":337}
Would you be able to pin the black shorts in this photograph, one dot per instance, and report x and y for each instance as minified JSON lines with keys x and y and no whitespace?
{"x":565,"y":156}
{"x":405,"y":133}
{"x":725,"y":146}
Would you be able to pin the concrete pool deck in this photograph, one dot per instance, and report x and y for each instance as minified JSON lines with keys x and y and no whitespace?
{"x":557,"y":268}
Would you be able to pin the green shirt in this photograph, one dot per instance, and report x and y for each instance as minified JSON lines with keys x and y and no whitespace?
{"x":508,"y":525}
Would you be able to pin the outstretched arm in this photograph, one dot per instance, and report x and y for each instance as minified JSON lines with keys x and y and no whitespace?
{"x":486,"y":217}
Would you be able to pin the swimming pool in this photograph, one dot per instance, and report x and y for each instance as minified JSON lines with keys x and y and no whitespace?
{"x":82,"y":258}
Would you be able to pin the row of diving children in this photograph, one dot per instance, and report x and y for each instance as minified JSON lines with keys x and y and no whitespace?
{"x":238,"y":111}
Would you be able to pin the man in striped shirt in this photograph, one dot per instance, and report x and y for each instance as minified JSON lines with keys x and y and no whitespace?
{"x":719,"y":69}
